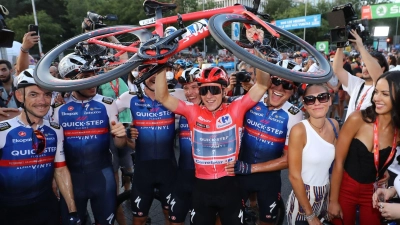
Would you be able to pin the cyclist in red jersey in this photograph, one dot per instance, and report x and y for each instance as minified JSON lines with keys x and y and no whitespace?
{"x":216,"y":129}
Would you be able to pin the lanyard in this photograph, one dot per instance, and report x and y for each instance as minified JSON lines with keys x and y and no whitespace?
{"x":115,"y":88}
{"x":362,"y":99}
{"x":376,"y":148}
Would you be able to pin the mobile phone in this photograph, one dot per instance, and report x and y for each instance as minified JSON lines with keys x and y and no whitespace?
{"x":33,"y":27}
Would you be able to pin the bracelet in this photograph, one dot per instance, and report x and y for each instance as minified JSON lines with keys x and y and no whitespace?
{"x":396,"y":195}
{"x":23,"y":50}
{"x":310,"y":217}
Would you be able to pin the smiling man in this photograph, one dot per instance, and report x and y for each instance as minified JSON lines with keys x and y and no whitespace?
{"x":216,"y":129}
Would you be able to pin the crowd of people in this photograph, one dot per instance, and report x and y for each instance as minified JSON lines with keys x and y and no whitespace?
{"x":60,"y":150}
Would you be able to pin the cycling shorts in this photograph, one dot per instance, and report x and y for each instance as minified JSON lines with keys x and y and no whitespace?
{"x":100,"y":188}
{"x":268,"y":188}
{"x":219,"y":196}
{"x":150,"y":175}
{"x":43,"y":212}
{"x":181,"y":197}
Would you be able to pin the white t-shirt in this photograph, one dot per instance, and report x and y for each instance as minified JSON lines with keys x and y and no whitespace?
{"x":353,"y":87}
{"x":313,"y":68}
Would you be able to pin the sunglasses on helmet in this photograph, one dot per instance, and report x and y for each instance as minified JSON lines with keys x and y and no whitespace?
{"x":38,"y":141}
{"x":322,"y":98}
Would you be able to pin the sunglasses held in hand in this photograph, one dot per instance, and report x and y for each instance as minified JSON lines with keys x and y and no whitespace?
{"x":38,"y":141}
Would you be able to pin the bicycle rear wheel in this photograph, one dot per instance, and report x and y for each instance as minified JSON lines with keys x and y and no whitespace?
{"x":118,"y":68}
{"x":287,"y":43}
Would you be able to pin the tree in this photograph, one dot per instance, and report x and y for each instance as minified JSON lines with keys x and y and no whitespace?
{"x":49,"y":29}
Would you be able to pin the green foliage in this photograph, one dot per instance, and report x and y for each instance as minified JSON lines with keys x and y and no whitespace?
{"x":49,"y":29}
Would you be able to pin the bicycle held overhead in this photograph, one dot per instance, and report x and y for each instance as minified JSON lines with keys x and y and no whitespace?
{"x":138,"y":45}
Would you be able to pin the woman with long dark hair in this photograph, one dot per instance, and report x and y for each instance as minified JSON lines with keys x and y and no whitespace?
{"x":365,"y":148}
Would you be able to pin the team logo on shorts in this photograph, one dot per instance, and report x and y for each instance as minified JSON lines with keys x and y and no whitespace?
{"x":140,"y":214}
{"x":22,"y":134}
{"x":173,"y":218}
{"x":70,"y":108}
{"x":224,"y":121}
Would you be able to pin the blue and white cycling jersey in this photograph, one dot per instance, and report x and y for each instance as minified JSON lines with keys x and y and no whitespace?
{"x":186,"y":161}
{"x":86,"y":127}
{"x":266,"y":132}
{"x":25,"y":176}
{"x":156,"y":126}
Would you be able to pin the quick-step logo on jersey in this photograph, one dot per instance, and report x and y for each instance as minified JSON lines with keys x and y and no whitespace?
{"x":215,"y":147}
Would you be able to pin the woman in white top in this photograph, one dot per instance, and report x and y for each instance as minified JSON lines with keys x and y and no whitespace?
{"x":311,"y":153}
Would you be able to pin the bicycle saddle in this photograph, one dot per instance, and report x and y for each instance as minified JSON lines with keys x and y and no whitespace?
{"x":150,"y":7}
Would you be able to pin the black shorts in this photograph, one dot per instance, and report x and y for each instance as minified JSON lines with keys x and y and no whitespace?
{"x":220,"y":196}
{"x":100,"y":188}
{"x":268,"y":188}
{"x":181,"y":197}
{"x":149,"y":175}
{"x":43,"y":212}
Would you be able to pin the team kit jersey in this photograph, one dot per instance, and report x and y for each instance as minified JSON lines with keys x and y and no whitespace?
{"x":25,"y":176}
{"x":266,"y":131}
{"x":185,"y":144}
{"x":215,"y":135}
{"x":86,"y":127}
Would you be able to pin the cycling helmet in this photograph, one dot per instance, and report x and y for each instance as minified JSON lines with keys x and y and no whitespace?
{"x":189,"y":64}
{"x":189,"y":75}
{"x":213,"y":75}
{"x":25,"y":79}
{"x":288,"y":64}
{"x":71,"y":64}
{"x":169,"y":30}
{"x":180,"y":62}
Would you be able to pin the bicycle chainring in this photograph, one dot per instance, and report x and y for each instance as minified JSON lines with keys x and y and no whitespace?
{"x":156,"y":44}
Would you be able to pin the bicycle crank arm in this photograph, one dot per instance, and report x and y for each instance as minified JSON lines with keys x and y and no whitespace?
{"x":150,"y":73}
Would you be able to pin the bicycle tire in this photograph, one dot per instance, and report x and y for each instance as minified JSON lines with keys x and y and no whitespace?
{"x":44,"y":79}
{"x":216,"y":24}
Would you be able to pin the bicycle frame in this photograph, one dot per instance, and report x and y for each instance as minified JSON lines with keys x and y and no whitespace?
{"x":186,"y":42}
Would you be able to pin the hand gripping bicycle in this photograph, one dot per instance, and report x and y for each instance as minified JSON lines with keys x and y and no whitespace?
{"x":123,"y":48}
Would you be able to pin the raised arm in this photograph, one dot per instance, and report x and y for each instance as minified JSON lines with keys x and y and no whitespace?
{"x":374,"y":69}
{"x":262,"y":84}
{"x":28,"y":42}
{"x":162,"y":93}
{"x":338,"y":69}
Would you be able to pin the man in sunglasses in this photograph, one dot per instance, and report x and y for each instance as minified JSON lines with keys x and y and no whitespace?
{"x":88,"y":119}
{"x":31,"y":154}
{"x":263,"y":153}
{"x":215,"y":133}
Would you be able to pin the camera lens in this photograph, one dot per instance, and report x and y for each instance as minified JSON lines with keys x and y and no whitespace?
{"x":341,"y":34}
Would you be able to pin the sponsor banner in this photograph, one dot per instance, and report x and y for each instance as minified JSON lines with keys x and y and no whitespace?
{"x":299,"y":22}
{"x":390,"y":10}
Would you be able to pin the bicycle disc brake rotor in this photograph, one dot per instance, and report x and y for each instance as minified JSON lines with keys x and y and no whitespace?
{"x":158,"y":47}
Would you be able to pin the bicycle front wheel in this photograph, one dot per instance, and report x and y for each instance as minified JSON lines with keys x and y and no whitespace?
{"x":287,"y":43}
{"x":118,"y":68}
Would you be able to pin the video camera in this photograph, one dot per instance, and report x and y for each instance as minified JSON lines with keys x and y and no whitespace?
{"x":97,"y":20}
{"x":343,"y":19}
{"x":6,"y":35}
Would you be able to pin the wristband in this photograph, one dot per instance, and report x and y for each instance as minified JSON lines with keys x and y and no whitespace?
{"x":395,"y":195}
{"x":23,"y":50}
{"x":310,"y":217}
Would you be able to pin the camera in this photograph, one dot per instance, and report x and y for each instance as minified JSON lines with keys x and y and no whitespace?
{"x":97,"y":20}
{"x":6,"y":35}
{"x":242,"y":76}
{"x":343,"y":19}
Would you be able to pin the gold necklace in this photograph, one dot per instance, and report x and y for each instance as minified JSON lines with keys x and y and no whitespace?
{"x":319,"y":128}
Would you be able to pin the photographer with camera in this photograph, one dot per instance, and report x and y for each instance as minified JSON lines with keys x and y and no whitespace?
{"x":241,"y":82}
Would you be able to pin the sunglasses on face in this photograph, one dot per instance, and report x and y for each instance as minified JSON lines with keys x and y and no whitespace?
{"x":214,"y":90}
{"x":322,"y":98}
{"x":287,"y":85}
{"x":38,"y":141}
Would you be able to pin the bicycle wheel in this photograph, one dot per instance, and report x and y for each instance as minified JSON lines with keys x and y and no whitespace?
{"x":46,"y":80}
{"x":287,"y":42}
{"x":155,"y":217}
